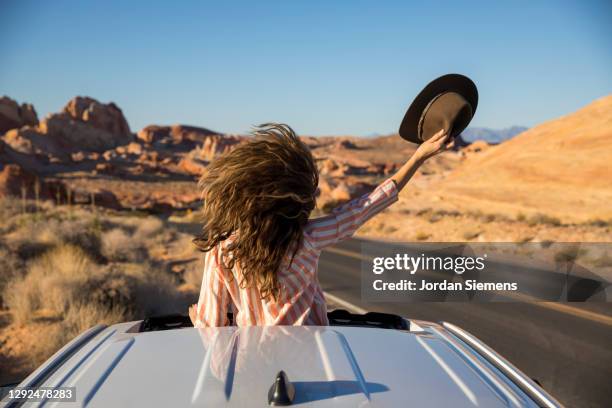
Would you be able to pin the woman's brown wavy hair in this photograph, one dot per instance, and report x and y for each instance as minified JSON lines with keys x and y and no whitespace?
{"x":262,"y":193}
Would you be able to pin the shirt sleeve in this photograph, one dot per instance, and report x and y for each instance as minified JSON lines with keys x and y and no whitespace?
{"x":346,"y":219}
{"x":214,"y":297}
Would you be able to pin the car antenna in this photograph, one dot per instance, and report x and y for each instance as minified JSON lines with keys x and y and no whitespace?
{"x":281,"y":392}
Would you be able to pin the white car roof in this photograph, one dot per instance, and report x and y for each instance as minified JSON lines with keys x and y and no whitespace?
{"x":334,"y":366}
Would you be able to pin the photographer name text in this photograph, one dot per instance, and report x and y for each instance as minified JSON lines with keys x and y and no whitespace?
{"x":438,"y":265}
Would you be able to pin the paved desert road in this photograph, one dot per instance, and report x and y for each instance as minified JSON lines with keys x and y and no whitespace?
{"x":567,"y":347}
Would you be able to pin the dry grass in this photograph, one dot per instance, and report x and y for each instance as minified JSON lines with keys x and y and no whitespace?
{"x":52,"y":282}
{"x":65,"y":270}
{"x":118,"y":245}
{"x":77,"y":319}
{"x":148,"y":229}
{"x":10,"y":268}
{"x":66,"y":277}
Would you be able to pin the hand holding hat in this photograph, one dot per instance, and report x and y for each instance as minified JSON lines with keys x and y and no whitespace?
{"x":438,"y":143}
{"x":448,"y":103}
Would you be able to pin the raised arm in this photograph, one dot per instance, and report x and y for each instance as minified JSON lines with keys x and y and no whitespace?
{"x":346,"y":219}
{"x":434,"y":145}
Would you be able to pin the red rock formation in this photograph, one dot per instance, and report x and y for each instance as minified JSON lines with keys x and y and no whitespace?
{"x":333,"y":191}
{"x":345,"y":144}
{"x":182,"y":136}
{"x":73,"y":135}
{"x":31,"y":141}
{"x":216,"y":145}
{"x":29,"y":162}
{"x":97,"y":197}
{"x":105,"y":168}
{"x":192,"y":165}
{"x":337,"y":166}
{"x":16,"y":181}
{"x":153,"y":133}
{"x":197,"y":135}
{"x":196,"y":160}
{"x":84,"y":125}
{"x":134,"y":148}
{"x":13,"y":116}
{"x":107,"y":117}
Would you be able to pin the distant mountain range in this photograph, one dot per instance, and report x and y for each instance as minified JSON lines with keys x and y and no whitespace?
{"x":492,"y":136}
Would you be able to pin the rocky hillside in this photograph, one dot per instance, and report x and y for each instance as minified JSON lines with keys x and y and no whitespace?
{"x":87,"y":154}
{"x":561,"y":168}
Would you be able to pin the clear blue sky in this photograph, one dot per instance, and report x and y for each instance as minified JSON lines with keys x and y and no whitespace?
{"x":329,"y":67}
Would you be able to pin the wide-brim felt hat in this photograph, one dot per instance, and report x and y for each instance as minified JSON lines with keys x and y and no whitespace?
{"x":448,"y":103}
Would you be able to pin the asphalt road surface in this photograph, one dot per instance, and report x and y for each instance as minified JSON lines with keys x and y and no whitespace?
{"x":566,"y":347}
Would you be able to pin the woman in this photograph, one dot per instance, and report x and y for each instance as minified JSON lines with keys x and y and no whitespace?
{"x":261,"y":249}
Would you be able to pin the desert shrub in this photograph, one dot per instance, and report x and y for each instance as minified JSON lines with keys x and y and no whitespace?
{"x":155,"y":292}
{"x":475,"y":214}
{"x":66,"y":276}
{"x":11,"y":267}
{"x":140,"y":289}
{"x":546,"y":243}
{"x":544,"y":219}
{"x":51,"y":282}
{"x":194,"y":216}
{"x":489,"y":217}
{"x":422,"y":236}
{"x":80,"y":233}
{"x":77,"y":319}
{"x":26,"y":250}
{"x":117,"y":245}
{"x":470,"y":234}
{"x":20,"y":299}
{"x":65,"y":260}
{"x":148,"y":228}
{"x":435,"y":218}
{"x":570,"y":254}
{"x":423,"y":211}
{"x":521,"y":217}
{"x":9,"y":207}
{"x":37,"y":236}
{"x":448,"y":213}
{"x":598,"y":222}
{"x":110,"y":289}
{"x":389,"y":229}
{"x":80,"y":317}
{"x":56,"y":283}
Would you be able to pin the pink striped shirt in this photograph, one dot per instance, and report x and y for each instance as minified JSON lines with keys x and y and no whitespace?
{"x":301,"y":300}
